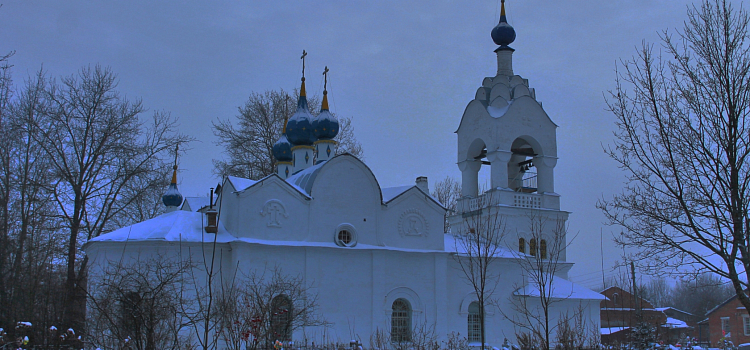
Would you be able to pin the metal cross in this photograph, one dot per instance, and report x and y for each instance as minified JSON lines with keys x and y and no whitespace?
{"x":325,"y":79}
{"x":304,"y":53}
{"x":176,"y":148}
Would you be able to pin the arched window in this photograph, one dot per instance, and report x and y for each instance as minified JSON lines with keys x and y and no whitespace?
{"x":281,"y":318}
{"x":532,"y":246}
{"x":615,"y":299}
{"x":475,"y":323}
{"x":401,"y":321}
{"x":522,"y":245}
{"x":543,"y":249}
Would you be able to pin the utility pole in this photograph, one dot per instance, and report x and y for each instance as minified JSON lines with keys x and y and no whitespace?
{"x":637,"y":301}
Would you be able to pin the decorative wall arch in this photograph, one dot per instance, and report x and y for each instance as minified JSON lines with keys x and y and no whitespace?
{"x":470,"y":297}
{"x":417,"y":308}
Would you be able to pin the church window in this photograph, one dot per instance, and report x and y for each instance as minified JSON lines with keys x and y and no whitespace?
{"x":401,"y":321}
{"x":131,"y":312}
{"x":475,"y":323}
{"x":615,"y":299}
{"x":522,"y":245}
{"x":543,"y":249}
{"x":281,"y":318}
{"x":345,"y":236}
{"x":532,"y":247}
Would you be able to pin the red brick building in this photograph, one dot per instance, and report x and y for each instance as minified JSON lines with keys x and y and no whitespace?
{"x":619,"y":314}
{"x":680,"y":324}
{"x":729,"y":318}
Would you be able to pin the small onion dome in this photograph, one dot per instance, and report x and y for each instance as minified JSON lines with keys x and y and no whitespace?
{"x":282,"y":149}
{"x":299,"y":129}
{"x":326,"y":125}
{"x":172,"y":198}
{"x":503,"y":34}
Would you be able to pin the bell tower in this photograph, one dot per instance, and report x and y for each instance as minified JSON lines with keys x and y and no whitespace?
{"x":506,"y":129}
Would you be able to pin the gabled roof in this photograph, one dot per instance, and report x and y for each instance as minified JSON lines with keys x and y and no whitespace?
{"x":195,"y":203}
{"x":240,"y":184}
{"x":662,"y":309}
{"x":722,"y":304}
{"x":391,"y":193}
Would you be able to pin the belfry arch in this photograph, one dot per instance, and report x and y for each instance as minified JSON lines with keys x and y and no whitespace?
{"x":470,"y":167}
{"x":521,"y":168}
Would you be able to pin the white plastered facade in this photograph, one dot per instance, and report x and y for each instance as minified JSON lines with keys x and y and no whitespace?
{"x":400,"y":248}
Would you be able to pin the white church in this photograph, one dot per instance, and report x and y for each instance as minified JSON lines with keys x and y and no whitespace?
{"x":377,"y":258}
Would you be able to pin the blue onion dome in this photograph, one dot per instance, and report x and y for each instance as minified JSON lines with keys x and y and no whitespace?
{"x":299,"y":129}
{"x":282,"y":149}
{"x":326,"y":125}
{"x":503,"y":34}
{"x":172,"y":198}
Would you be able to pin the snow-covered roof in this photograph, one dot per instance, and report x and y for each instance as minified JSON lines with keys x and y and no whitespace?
{"x":560,"y":289}
{"x":186,"y":226}
{"x":195,"y":203}
{"x":240,"y":184}
{"x":610,"y":330}
{"x":304,"y":179}
{"x":662,"y":309}
{"x":390,"y":193}
{"x":303,"y":182}
{"x":453,"y":244}
{"x":179,"y":225}
{"x":675,"y":323}
{"x":722,"y":304}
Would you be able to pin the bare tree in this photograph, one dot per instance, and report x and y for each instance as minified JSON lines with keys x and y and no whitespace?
{"x":29,"y":234}
{"x":260,"y":122}
{"x":682,"y":138}
{"x":137,"y":304}
{"x":657,"y":291}
{"x":31,"y":224}
{"x":447,"y":191}
{"x":575,"y":332}
{"x":265,"y":306}
{"x":206,"y":279}
{"x":477,"y":248}
{"x":699,"y":294}
{"x":98,"y":146}
{"x":534,"y":299}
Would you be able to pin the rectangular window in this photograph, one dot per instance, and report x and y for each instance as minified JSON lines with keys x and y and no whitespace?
{"x":724,"y":325}
{"x":746,"y":324}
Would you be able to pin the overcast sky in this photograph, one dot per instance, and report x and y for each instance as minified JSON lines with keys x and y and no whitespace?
{"x":402,"y":70}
